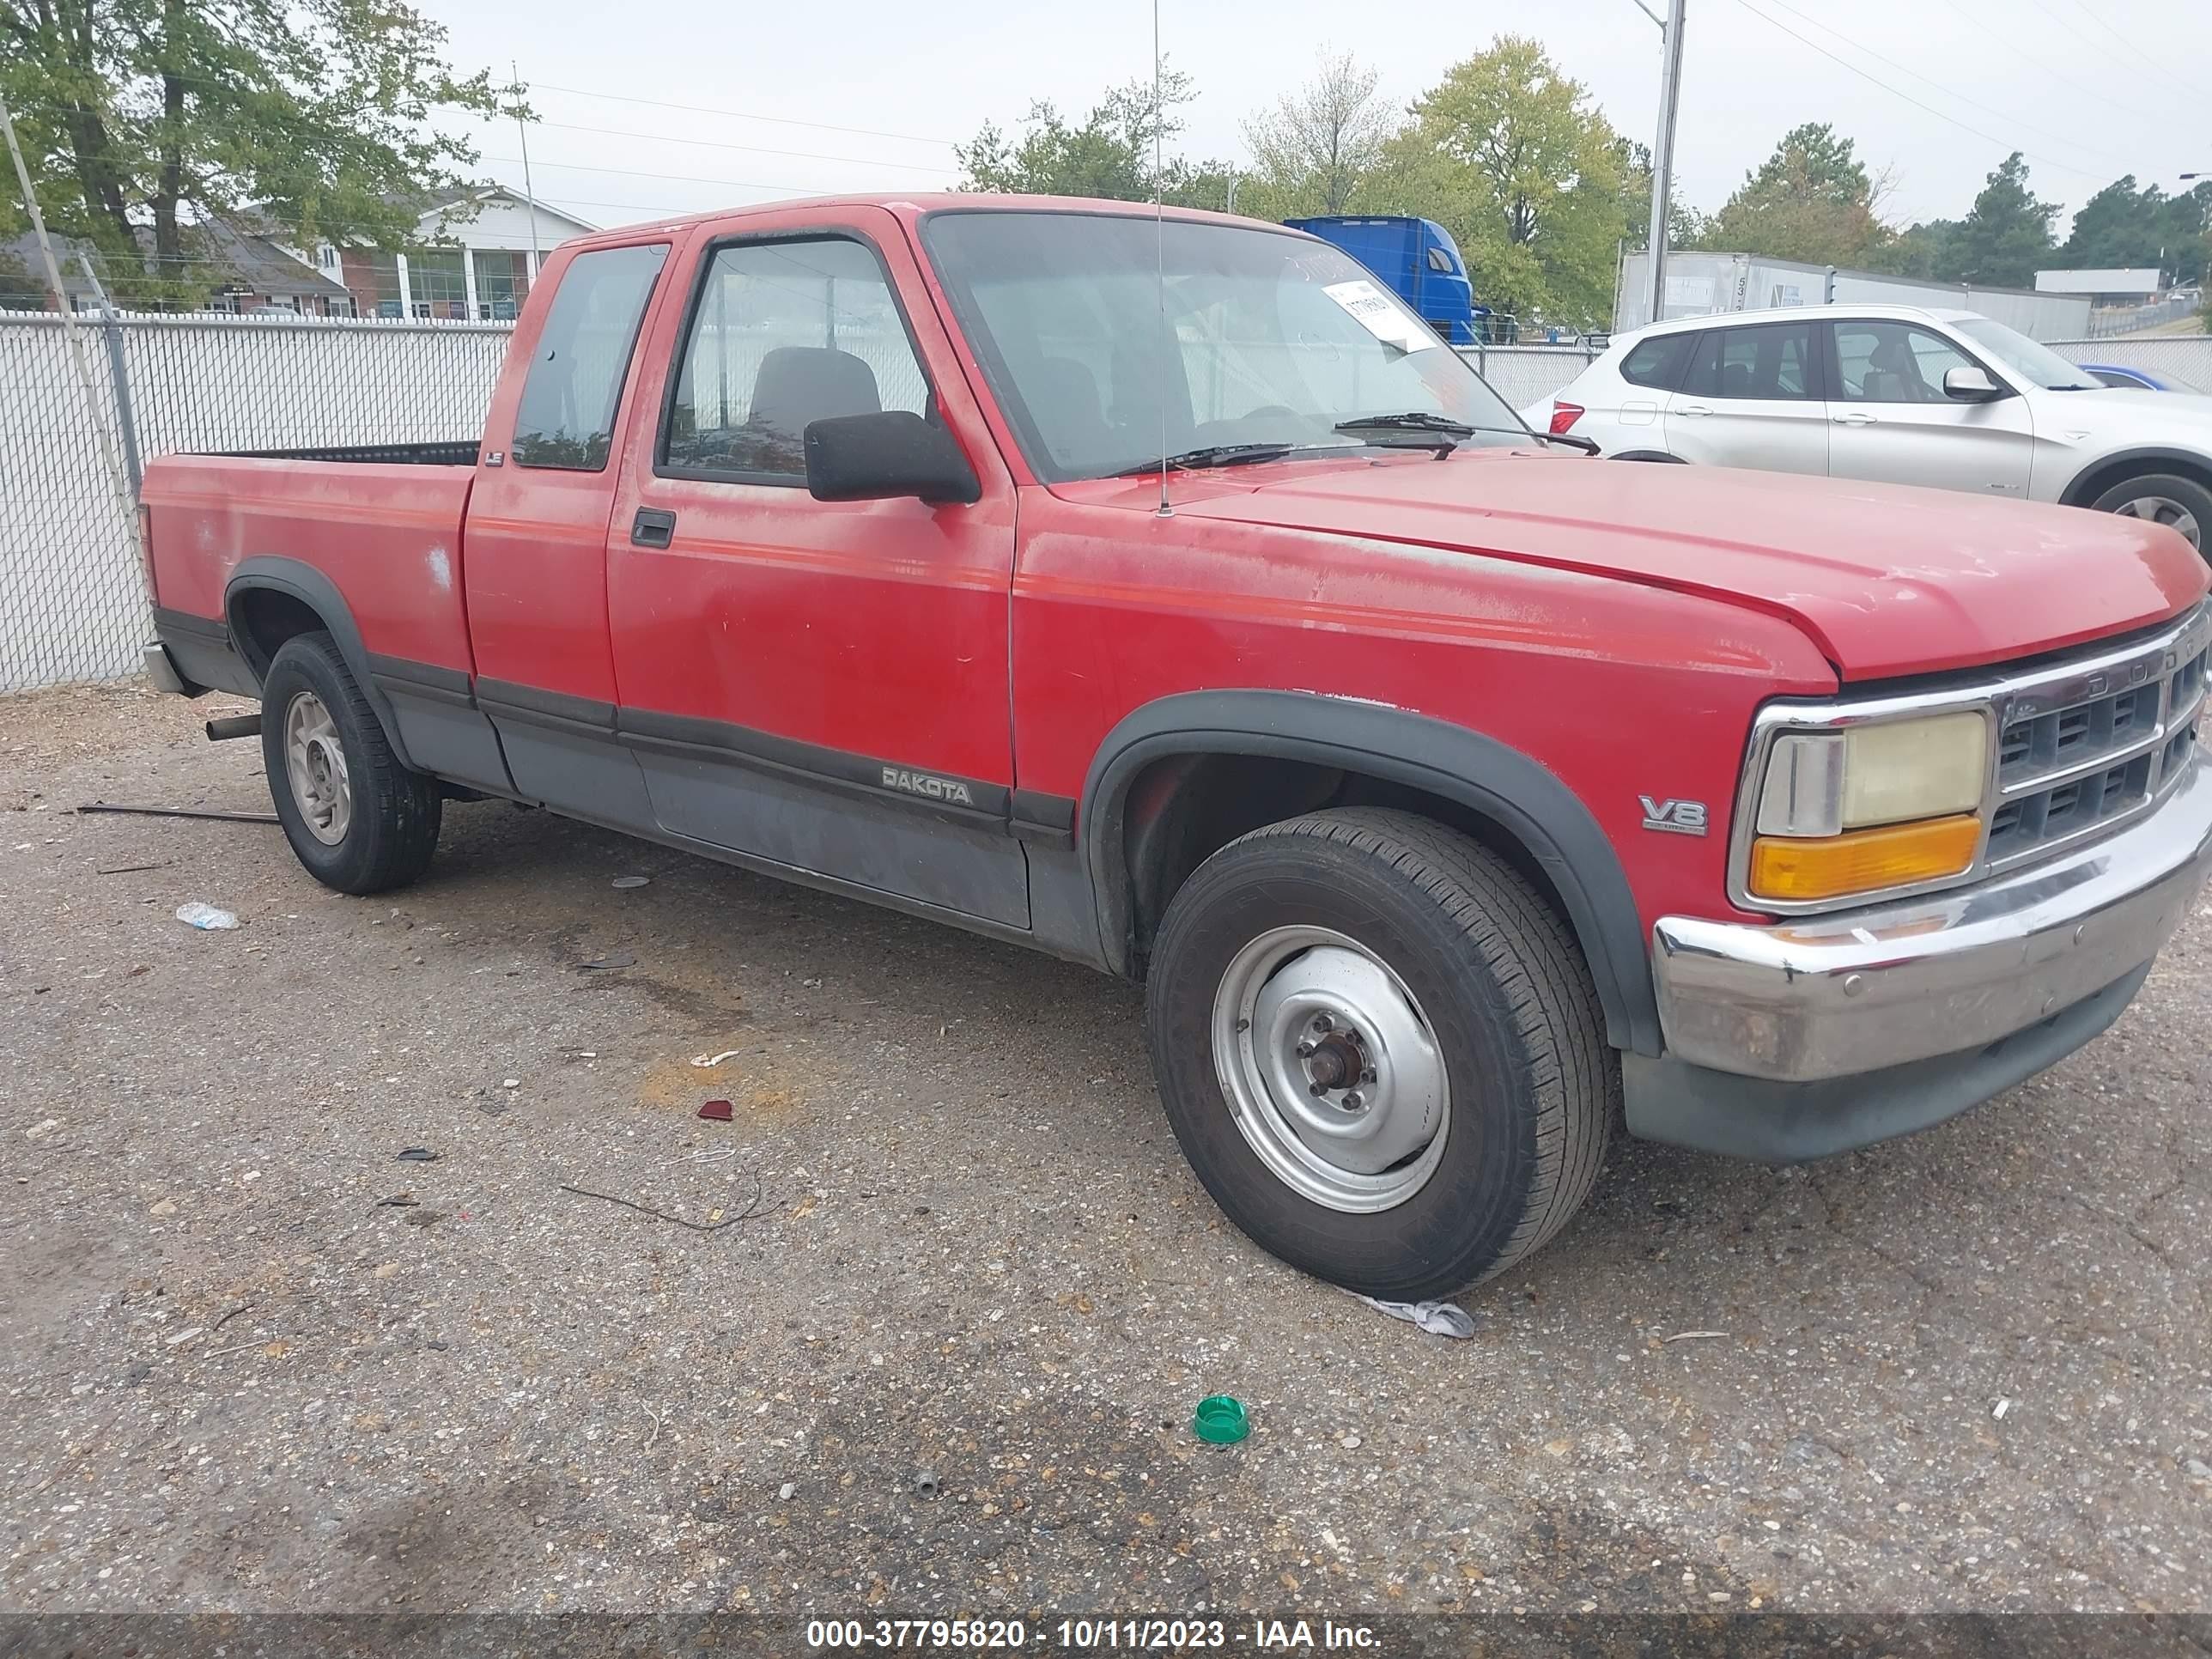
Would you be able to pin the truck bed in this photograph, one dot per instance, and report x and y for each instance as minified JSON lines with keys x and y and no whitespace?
{"x":380,"y":523}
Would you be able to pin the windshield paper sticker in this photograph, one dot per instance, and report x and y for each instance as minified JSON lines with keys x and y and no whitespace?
{"x":1386,"y":322}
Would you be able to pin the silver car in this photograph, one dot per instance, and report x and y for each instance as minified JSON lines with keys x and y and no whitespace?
{"x":1895,"y":394}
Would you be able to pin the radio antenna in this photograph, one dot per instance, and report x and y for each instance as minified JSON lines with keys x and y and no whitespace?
{"x":1160,"y":257}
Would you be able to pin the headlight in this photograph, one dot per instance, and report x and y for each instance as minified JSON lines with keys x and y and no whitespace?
{"x":1888,"y":804}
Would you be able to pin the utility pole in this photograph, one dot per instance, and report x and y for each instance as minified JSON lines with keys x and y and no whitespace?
{"x":1662,"y":151}
{"x":529,"y":188}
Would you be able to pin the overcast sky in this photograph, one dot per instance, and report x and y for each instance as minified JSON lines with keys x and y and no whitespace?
{"x":2088,"y":89}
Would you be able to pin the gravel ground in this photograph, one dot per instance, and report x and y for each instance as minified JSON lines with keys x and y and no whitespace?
{"x":1968,"y":1371}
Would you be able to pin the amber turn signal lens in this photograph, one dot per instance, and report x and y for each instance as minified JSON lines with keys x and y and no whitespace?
{"x":1863,"y":860}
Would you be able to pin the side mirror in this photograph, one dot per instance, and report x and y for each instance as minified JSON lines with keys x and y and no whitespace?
{"x":873,"y":457}
{"x":1971,"y":384}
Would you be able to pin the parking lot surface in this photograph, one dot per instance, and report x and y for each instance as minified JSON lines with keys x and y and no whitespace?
{"x":947,"y":1234}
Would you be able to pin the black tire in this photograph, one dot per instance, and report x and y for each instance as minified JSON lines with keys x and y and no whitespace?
{"x":391,"y":829}
{"x":1509,"y":1002}
{"x":2187,"y":494}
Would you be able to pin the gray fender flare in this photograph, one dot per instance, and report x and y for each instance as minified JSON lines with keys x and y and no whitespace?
{"x":301,"y":582}
{"x":1512,"y":790}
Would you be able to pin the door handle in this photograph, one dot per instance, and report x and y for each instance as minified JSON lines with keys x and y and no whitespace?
{"x":1854,"y":418}
{"x":1691,"y":409}
{"x":654,"y":526}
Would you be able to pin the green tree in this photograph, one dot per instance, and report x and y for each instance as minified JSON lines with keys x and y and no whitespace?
{"x":2006,"y":238}
{"x":1108,"y":154}
{"x":1514,"y":159}
{"x":1812,"y":200}
{"x":2119,"y":225}
{"x":2188,"y":237}
{"x":1687,"y":228}
{"x":1928,"y":251}
{"x":150,"y":115}
{"x":1313,"y":151}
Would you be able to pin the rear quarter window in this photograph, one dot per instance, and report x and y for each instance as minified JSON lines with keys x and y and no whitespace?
{"x":567,"y":415}
{"x":1657,"y":362}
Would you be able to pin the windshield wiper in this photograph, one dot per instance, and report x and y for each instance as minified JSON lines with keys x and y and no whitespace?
{"x":1413,"y":420}
{"x":1209,"y":455}
{"x":1192,"y":460}
{"x":1445,"y":426}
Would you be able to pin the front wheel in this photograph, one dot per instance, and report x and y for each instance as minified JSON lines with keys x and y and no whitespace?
{"x":2180,"y":504}
{"x":357,"y":818}
{"x":1381,"y":1050}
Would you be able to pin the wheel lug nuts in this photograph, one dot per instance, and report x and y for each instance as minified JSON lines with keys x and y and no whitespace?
{"x":1323,"y":1023}
{"x":1367,"y":1076}
{"x":1307,"y":1050}
{"x":1353,"y":1102}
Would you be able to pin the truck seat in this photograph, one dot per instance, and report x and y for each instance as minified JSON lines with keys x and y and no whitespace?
{"x":1074,"y":413}
{"x":799,"y":384}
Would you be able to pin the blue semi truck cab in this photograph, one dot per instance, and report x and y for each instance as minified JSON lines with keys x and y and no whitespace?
{"x":1416,"y":257}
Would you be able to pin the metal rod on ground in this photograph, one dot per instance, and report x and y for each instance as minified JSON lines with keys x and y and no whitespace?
{"x":179,"y":812}
{"x":1662,"y":156}
{"x":124,"y":500}
{"x":111,"y":329}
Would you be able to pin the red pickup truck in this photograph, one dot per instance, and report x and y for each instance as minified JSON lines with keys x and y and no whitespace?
{"x":1164,"y":596}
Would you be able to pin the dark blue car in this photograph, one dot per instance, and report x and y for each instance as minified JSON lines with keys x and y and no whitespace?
{"x":2137,"y":380}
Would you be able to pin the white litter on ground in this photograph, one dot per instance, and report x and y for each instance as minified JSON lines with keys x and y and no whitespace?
{"x":1437,"y":1318}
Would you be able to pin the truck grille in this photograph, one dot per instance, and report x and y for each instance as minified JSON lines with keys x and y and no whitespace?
{"x":2069,"y":765}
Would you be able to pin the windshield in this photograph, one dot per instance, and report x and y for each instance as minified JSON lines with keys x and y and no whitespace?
{"x":2041,"y":365}
{"x":1268,"y":338}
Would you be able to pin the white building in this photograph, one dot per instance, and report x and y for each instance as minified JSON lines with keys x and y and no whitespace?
{"x":475,"y":254}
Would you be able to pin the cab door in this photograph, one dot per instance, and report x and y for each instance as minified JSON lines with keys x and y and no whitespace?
{"x":534,"y":564}
{"x":1752,"y":397}
{"x":820,"y":686}
{"x":1893,"y":423}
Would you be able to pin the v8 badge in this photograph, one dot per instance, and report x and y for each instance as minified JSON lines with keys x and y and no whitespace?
{"x":1676,"y":817}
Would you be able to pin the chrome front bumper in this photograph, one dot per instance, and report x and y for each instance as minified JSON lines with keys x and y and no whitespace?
{"x":1833,"y":996}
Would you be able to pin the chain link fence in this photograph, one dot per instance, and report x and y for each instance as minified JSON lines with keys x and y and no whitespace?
{"x":2107,"y":320}
{"x":1521,"y":374}
{"x":2185,"y":358}
{"x":73,"y":603}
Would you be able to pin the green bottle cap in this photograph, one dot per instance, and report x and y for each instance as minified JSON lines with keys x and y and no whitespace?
{"x":1220,"y":1419}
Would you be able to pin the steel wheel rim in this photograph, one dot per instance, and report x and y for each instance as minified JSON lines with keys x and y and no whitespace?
{"x":1331,"y":1070}
{"x":315,"y":766}
{"x":2164,"y":509}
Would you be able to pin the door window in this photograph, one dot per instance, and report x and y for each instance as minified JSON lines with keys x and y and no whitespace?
{"x":1894,"y":363}
{"x":1657,"y":363}
{"x":567,"y":416}
{"x":1771,"y":362}
{"x":782,"y":334}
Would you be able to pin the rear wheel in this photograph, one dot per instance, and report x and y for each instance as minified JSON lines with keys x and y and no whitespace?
{"x":1381,"y":1051}
{"x":359,"y":820}
{"x":2181,"y":504}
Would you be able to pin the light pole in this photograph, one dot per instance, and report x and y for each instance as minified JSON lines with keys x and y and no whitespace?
{"x":1662,"y":150}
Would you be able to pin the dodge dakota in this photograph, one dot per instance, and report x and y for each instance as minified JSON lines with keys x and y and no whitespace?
{"x":1163,"y":594}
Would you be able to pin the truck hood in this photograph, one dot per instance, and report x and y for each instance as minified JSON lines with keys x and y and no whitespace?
{"x":1886,"y":580}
